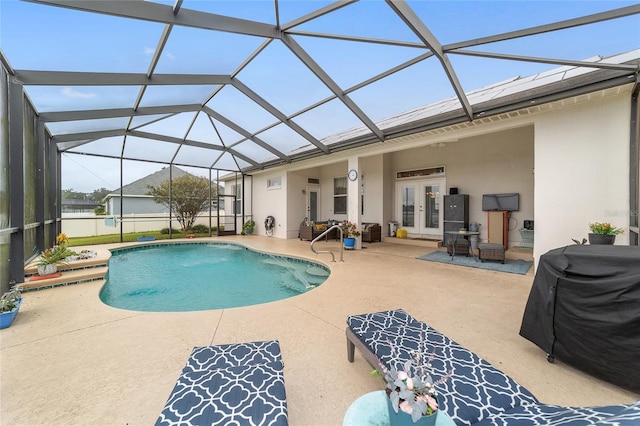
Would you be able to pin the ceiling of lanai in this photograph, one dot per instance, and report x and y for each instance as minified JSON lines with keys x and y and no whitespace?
{"x":246,"y":85}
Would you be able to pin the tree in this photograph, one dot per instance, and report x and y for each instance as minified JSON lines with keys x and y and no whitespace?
{"x":70,"y":194}
{"x":98,"y":194}
{"x":189,"y":196}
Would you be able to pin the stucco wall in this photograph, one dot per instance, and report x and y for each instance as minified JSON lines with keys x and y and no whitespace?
{"x":569,"y":162}
{"x":296,"y":202}
{"x":494,"y":163}
{"x":372,"y":168}
{"x":582,"y":171}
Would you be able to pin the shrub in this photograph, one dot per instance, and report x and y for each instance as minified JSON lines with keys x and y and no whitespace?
{"x":199,"y":229}
{"x":166,"y":231}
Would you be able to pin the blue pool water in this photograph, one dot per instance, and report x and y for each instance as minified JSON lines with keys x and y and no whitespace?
{"x":197,"y":276}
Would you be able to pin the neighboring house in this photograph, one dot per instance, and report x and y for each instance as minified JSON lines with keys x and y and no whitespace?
{"x":72,"y":205}
{"x":565,"y":149}
{"x":135,"y":198}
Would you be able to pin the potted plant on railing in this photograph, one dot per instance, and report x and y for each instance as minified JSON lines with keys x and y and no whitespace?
{"x":603,"y":233}
{"x":248,"y":227}
{"x":9,"y":306}
{"x":350,"y":232}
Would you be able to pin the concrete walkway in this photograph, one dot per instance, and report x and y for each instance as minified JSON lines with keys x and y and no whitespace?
{"x":68,"y":359}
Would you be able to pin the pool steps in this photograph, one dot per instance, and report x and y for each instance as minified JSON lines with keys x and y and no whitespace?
{"x":75,"y":272}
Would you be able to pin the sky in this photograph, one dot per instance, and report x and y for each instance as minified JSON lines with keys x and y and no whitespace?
{"x":37,"y":37}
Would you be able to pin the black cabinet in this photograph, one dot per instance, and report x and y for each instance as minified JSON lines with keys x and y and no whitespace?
{"x":456,"y":212}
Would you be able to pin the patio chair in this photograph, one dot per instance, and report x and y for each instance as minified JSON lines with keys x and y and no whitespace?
{"x":231,"y":383}
{"x":477,"y":393}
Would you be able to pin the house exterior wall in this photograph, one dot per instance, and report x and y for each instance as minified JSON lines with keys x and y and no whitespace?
{"x":136,"y":205}
{"x":582,"y":170}
{"x":327,"y":174}
{"x":270,"y":202}
{"x":568,"y":160}
{"x":493,"y":163}
{"x":296,"y":204}
{"x":372,"y":167}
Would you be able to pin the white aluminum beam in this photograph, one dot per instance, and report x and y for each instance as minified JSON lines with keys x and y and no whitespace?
{"x":414,"y":23}
{"x":332,"y":85}
{"x":66,"y":78}
{"x":155,"y":12}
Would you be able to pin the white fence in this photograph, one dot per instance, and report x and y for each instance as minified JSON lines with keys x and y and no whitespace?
{"x":88,"y":225}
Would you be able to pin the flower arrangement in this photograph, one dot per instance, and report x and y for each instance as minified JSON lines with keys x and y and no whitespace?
{"x":604,"y":228}
{"x":62,"y":239}
{"x":412,"y":389}
{"x":56,"y":254}
{"x":350,"y":230}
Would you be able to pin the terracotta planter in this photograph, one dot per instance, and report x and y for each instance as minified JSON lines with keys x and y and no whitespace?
{"x":602,"y":239}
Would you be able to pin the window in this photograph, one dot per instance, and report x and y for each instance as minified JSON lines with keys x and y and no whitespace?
{"x":431,"y":172}
{"x":274,"y":183}
{"x":340,"y":195}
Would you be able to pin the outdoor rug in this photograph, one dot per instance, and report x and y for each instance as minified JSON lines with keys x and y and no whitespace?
{"x":514,"y":266}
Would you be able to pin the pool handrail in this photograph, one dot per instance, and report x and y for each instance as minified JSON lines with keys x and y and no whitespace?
{"x":333,"y":258}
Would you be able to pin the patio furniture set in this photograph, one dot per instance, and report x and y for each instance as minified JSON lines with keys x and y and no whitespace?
{"x":244,"y":384}
{"x":370,"y":232}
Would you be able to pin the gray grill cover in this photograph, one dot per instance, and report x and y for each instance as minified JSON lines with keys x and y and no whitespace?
{"x":584,"y":308}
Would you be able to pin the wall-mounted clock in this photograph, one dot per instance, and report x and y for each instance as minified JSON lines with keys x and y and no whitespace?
{"x":353,"y":174}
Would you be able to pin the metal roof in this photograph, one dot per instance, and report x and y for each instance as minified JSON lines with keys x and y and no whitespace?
{"x":249,"y":85}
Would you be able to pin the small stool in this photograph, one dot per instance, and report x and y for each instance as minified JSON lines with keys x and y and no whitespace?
{"x":488,"y":251}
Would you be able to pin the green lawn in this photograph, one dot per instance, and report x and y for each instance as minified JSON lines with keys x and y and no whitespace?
{"x":131,"y":237}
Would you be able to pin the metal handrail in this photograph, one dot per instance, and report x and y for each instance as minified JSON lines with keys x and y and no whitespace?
{"x":333,"y":258}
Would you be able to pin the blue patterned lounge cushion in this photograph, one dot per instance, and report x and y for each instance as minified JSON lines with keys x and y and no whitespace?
{"x":476,"y":390}
{"x":542,"y":414}
{"x":239,"y":384}
{"x":477,"y":394}
{"x":209,"y":357}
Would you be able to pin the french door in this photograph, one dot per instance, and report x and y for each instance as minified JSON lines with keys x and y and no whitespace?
{"x":419,"y":207}
{"x":313,"y":202}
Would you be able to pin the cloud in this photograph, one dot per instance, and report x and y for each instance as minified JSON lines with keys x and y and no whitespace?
{"x":71,"y":93}
{"x":149,"y":51}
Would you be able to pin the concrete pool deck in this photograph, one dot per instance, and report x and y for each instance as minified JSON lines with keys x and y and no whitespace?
{"x":68,"y":359}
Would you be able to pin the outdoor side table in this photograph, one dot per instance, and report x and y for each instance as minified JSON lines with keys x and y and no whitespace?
{"x":371,"y":409}
{"x":457,"y":234}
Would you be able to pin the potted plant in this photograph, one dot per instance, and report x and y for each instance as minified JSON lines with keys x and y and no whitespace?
{"x":9,"y":306}
{"x":350,"y":232}
{"x":52,"y":257}
{"x":411,"y":391}
{"x":603,"y":233}
{"x":248,"y":227}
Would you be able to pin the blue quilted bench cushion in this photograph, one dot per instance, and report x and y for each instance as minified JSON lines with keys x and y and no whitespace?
{"x":542,"y":414}
{"x":240,"y":384}
{"x":219,"y":356}
{"x":476,"y":390}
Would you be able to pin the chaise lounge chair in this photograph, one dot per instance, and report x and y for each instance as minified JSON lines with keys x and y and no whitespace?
{"x":239,"y":383}
{"x":477,"y":393}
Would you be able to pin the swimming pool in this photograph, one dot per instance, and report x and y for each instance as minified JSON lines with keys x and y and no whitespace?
{"x":178,"y":277}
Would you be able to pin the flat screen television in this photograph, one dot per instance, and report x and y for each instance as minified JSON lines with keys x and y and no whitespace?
{"x":507,"y":202}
